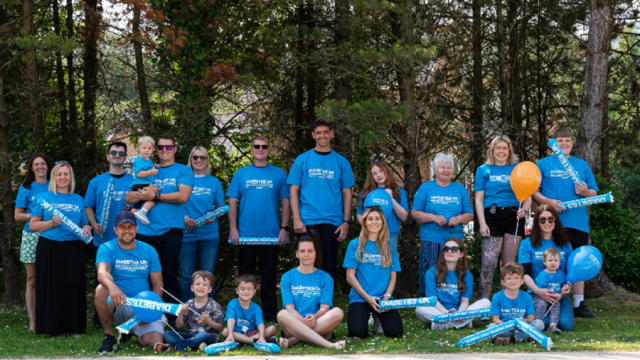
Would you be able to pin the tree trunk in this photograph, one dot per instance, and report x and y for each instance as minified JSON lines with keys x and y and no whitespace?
{"x":73,"y":108}
{"x":62,"y":103}
{"x":91,"y":67}
{"x":9,"y":262}
{"x":502,"y":63}
{"x":604,"y":144}
{"x":302,"y":135}
{"x":142,"y":82}
{"x":407,"y":279}
{"x":35,"y":106}
{"x":312,"y":67}
{"x":593,"y":105}
{"x":477,"y":136}
{"x":342,"y":85}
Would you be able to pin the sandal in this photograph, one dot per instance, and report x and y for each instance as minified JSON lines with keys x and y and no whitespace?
{"x":341,"y":345}
{"x":284,"y":343}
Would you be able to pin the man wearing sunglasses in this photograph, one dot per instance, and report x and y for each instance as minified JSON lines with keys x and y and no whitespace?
{"x":96,"y":192}
{"x":171,"y":191}
{"x":262,"y":190}
{"x":556,"y":187}
{"x":321,"y":182}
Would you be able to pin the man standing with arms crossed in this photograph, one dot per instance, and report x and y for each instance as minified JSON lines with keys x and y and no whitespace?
{"x":172,"y":189}
{"x":557,"y":187}
{"x":262,"y":189}
{"x":321,"y":182}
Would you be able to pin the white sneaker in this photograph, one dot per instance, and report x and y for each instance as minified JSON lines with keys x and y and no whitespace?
{"x":376,"y":328}
{"x":142,"y":217}
{"x":202,"y":346}
{"x":440,"y":326}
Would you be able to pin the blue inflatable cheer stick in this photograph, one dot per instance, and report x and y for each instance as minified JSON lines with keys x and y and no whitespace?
{"x":486,"y":334}
{"x":408,"y":303}
{"x":268,"y":347}
{"x":220,"y":347}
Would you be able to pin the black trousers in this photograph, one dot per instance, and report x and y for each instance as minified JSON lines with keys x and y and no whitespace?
{"x":358,"y":321}
{"x":268,"y":263}
{"x":168,"y":246}
{"x":96,"y":318}
{"x":578,"y":238}
{"x":330,"y":246}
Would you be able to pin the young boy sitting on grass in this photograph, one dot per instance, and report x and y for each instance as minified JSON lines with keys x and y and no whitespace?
{"x":512,"y":303}
{"x":244,"y":317}
{"x":202,"y":330}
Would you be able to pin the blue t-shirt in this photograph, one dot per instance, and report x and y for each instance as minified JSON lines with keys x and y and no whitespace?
{"x":71,"y":205}
{"x":206,"y":195}
{"x":527,"y":254}
{"x":130,"y":268}
{"x":164,"y":216}
{"x":393,"y":223}
{"x":448,"y":294}
{"x":142,"y":164}
{"x":370,"y":274}
{"x":27,"y":197}
{"x":321,"y":179}
{"x":306,"y":291}
{"x":553,"y":282}
{"x":557,"y":184}
{"x":94,"y":197}
{"x":247,"y":320}
{"x":260,"y":190}
{"x":449,"y":201}
{"x":511,"y":309}
{"x":495,"y":181}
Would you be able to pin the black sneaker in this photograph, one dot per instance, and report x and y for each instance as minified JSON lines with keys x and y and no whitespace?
{"x":123,"y":338}
{"x":272,"y":340}
{"x":109,"y":345}
{"x":97,"y":327}
{"x":582,"y":311}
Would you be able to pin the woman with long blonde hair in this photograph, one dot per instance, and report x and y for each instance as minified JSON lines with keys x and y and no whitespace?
{"x":372,"y":264}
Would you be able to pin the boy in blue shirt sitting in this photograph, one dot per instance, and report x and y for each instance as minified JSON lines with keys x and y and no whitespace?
{"x":555,"y":280}
{"x":244,"y":317}
{"x":512,"y":303}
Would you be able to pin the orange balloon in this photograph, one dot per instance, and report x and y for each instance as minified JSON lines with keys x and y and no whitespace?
{"x":525,"y":180}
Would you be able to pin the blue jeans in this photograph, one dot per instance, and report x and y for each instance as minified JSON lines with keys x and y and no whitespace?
{"x":520,"y":336}
{"x":191,"y":341}
{"x":206,"y":251}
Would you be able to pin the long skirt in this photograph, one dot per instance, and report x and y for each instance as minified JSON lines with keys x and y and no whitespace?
{"x":61,"y":300}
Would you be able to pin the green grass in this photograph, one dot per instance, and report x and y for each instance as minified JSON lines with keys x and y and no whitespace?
{"x":617,"y":328}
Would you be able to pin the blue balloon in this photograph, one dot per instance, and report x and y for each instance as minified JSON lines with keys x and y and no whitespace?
{"x":382,"y":199}
{"x":583,"y":264}
{"x":148,"y":315}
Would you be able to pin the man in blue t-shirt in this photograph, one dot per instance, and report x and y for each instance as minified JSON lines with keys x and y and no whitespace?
{"x":321,"y":182}
{"x":262,"y":190}
{"x":125,"y":268}
{"x":171,"y":190}
{"x":557,"y":187}
{"x":96,"y":192}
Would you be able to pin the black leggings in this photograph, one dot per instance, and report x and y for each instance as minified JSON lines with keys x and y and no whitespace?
{"x":358,"y":321}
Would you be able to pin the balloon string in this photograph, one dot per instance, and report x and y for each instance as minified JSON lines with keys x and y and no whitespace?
{"x":515,"y":236}
{"x":176,"y":299}
{"x":172,"y":329}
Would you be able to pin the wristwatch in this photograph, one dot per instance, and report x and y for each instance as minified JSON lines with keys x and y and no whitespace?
{"x":286,"y":228}
{"x":346,"y":221}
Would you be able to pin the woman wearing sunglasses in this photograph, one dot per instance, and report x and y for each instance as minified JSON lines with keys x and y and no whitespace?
{"x":452,"y":283}
{"x":61,"y":302}
{"x":547,"y":233}
{"x":372,"y":264}
{"x":207,"y":195}
{"x":379,"y":176}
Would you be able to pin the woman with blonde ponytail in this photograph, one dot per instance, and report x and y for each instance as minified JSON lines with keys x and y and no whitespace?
{"x":372,"y":264}
{"x":452,"y":283}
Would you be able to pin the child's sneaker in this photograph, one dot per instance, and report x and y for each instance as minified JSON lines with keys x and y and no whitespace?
{"x":142,"y":217}
{"x":440,"y":326}
{"x":160,"y":347}
{"x":554,"y":329}
{"x":202,"y":346}
{"x":499,"y":340}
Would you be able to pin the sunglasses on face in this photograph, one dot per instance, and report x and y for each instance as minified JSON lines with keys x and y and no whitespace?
{"x":551,"y":219}
{"x":451,"y":249}
{"x":264,"y":147}
{"x":163,"y":147}
{"x":117,"y":153}
{"x":196,"y":157}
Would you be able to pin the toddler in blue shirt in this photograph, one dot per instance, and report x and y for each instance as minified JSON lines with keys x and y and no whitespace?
{"x":143,"y":175}
{"x":554,"y":280}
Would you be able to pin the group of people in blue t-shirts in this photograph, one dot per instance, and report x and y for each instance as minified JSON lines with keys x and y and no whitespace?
{"x":156,"y":245}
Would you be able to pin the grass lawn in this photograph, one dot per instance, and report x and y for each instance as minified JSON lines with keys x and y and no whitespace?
{"x":617,"y":328}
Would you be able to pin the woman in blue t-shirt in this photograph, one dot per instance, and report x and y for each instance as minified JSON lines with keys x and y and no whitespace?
{"x":36,"y":182}
{"x":203,"y":241}
{"x":547,"y":233}
{"x":452,"y":283}
{"x":61,"y":302}
{"x":442,"y":207}
{"x":372,"y":264}
{"x":379,"y":175}
{"x":307,"y":298}
{"x":497,"y":209}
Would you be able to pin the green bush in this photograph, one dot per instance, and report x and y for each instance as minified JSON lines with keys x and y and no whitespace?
{"x":615,"y":231}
